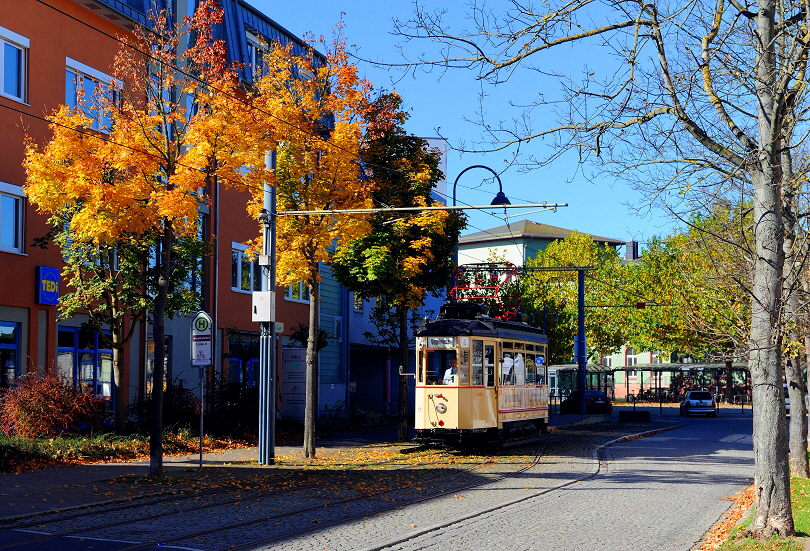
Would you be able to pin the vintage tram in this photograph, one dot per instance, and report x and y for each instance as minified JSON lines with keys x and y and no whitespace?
{"x":480,"y":380}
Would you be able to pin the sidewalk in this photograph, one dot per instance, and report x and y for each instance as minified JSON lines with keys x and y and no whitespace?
{"x":67,"y":487}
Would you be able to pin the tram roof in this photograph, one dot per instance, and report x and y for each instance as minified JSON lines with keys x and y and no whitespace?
{"x":482,"y":327}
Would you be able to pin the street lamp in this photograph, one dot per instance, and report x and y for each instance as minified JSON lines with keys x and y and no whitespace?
{"x":500,"y":198}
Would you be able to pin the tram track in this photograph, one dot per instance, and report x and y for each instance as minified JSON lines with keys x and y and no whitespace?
{"x":289,"y":523}
{"x":245,"y":496}
{"x":186,"y":494}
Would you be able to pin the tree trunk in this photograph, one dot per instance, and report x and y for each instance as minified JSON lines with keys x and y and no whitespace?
{"x":799,"y":466}
{"x":118,"y":383}
{"x":159,"y":338}
{"x":773,"y":513}
{"x":311,"y":405}
{"x":404,"y":418}
{"x":729,"y":381}
{"x":793,"y":367}
{"x":805,"y":285}
{"x":771,"y":476}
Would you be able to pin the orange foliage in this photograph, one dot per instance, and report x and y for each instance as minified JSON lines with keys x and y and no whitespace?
{"x":162,"y":147}
{"x":315,"y":110}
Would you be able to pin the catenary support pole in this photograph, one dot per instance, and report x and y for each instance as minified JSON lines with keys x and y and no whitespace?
{"x":267,"y":344}
{"x":581,"y":348}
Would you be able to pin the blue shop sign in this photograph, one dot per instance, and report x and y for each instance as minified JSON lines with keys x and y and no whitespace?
{"x":47,"y":285}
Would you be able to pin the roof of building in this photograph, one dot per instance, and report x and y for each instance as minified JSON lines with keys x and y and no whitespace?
{"x":530,"y":230}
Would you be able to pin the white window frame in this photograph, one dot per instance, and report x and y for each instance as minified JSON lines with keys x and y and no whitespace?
{"x":302,"y":291}
{"x":81,"y":70}
{"x":23,"y":44}
{"x":256,"y":51}
{"x":358,"y":304}
{"x":238,"y":289}
{"x":16,"y":193}
{"x":630,"y":357}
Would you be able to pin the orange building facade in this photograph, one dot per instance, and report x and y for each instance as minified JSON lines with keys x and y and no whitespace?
{"x":47,"y":48}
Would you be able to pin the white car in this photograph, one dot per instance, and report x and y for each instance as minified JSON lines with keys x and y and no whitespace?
{"x":700,"y":402}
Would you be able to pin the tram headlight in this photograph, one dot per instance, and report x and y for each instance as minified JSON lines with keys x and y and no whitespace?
{"x":441,"y":408}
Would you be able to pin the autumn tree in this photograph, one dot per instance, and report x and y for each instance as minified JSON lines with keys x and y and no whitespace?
{"x":166,"y":137}
{"x":689,"y":98}
{"x":551,"y":296}
{"x":320,"y":104}
{"x":113,"y":284}
{"x":404,"y":256}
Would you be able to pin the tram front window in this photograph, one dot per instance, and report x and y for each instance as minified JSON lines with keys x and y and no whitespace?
{"x":442,"y":368}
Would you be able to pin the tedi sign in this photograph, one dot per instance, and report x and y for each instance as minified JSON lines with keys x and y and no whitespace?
{"x":47,"y":285}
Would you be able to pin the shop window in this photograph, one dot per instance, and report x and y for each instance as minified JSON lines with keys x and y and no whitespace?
{"x":9,"y":352}
{"x":13,"y":64}
{"x":84,"y":359}
{"x":150,"y":363}
{"x":243,"y":358}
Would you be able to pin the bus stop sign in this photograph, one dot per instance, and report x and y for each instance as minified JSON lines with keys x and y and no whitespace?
{"x":201,"y":339}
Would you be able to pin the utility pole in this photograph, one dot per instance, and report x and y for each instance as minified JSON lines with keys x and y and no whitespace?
{"x":582,"y":358}
{"x":264,"y":310}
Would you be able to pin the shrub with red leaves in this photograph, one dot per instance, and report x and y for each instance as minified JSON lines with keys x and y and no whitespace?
{"x":49,"y":406}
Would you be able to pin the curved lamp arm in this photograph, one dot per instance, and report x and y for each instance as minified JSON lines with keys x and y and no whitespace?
{"x":500,"y":199}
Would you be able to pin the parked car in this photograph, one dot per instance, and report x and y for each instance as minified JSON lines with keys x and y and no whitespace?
{"x":698,"y":402}
{"x":596,"y":401}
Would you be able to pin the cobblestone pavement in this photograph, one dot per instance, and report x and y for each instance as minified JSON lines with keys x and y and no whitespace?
{"x":661,"y":492}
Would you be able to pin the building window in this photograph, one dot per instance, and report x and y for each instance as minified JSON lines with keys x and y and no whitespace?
{"x":255,"y":54}
{"x":658,"y":357}
{"x":90,"y":92}
{"x":607,"y":361}
{"x":194,"y":280}
{"x":357,"y":303}
{"x":150,"y":363}
{"x":84,"y":359}
{"x":13,"y":64}
{"x":243,"y":358}
{"x":297,"y":292}
{"x":9,"y":352}
{"x":246,"y":274}
{"x":631,"y":358}
{"x":11,"y":217}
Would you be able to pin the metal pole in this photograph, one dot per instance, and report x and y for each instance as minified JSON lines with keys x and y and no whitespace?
{"x":267,"y":340}
{"x":202,"y":410}
{"x":581,"y":350}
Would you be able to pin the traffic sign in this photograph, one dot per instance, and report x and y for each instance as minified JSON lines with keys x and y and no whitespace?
{"x":201,"y":339}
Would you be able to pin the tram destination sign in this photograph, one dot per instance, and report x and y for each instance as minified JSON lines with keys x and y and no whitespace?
{"x":441,"y":342}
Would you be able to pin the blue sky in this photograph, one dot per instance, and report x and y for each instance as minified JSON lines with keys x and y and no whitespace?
{"x":444,"y":100}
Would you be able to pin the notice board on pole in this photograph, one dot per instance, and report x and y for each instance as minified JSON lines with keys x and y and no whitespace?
{"x":293,"y":382}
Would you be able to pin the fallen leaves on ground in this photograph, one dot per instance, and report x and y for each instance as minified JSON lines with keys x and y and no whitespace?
{"x":720,"y":531}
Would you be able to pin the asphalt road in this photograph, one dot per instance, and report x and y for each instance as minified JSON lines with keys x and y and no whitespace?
{"x":661,"y":492}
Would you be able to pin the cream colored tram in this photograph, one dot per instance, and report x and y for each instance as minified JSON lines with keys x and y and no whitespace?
{"x":479,"y":380}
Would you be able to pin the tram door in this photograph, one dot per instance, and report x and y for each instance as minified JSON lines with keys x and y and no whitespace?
{"x":485,"y":399}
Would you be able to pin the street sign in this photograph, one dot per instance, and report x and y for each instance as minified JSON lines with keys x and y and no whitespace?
{"x":201,"y":339}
